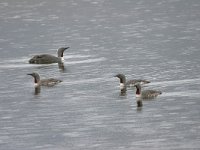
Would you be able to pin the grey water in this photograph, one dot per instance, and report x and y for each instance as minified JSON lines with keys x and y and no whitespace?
{"x":155,"y":40}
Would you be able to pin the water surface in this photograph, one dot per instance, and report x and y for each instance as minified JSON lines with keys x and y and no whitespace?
{"x":154,"y":40}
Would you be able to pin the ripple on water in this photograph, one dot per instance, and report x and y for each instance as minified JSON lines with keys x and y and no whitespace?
{"x":23,"y":62}
{"x":90,"y":60}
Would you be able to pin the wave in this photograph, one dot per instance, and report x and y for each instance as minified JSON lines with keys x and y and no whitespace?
{"x":177,"y":82}
{"x":189,"y":93}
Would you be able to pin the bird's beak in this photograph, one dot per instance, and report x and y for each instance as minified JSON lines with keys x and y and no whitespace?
{"x":30,"y":74}
{"x":66,"y":48}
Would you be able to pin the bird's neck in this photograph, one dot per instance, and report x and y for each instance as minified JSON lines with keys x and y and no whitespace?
{"x":36,"y":81}
{"x":122,"y":80}
{"x":138,"y":92}
{"x":60,"y":53}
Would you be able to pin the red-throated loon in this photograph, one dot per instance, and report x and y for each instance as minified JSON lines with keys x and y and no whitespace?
{"x":124,"y":84}
{"x":44,"y":82}
{"x":146,"y":94}
{"x":48,"y":59}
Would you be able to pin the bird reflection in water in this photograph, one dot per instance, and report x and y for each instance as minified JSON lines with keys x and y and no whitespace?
{"x":37,"y":90}
{"x":61,"y":66}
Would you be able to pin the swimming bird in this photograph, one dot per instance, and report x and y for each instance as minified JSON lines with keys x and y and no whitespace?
{"x":129,"y":83}
{"x":48,"y":59}
{"x":146,"y":94}
{"x":45,"y":82}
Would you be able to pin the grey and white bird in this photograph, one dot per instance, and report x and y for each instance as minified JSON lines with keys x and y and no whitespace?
{"x":129,"y":83}
{"x":44,"y":82}
{"x":48,"y":59}
{"x":146,"y":94}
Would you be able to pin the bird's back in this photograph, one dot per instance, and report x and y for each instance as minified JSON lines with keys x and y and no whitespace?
{"x":44,"y":59}
{"x":150,"y":94}
{"x":136,"y":81}
{"x":49,"y":82}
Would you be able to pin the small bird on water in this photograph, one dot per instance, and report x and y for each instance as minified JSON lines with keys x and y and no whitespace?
{"x":48,"y":59}
{"x":129,"y":83}
{"x":44,"y":82}
{"x":146,"y":94}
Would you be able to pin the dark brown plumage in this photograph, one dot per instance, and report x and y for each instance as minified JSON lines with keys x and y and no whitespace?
{"x":48,"y":59}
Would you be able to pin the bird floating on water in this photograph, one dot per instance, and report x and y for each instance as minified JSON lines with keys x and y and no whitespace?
{"x":129,"y":83}
{"x":146,"y":94}
{"x":48,"y":59}
{"x":44,"y":82}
